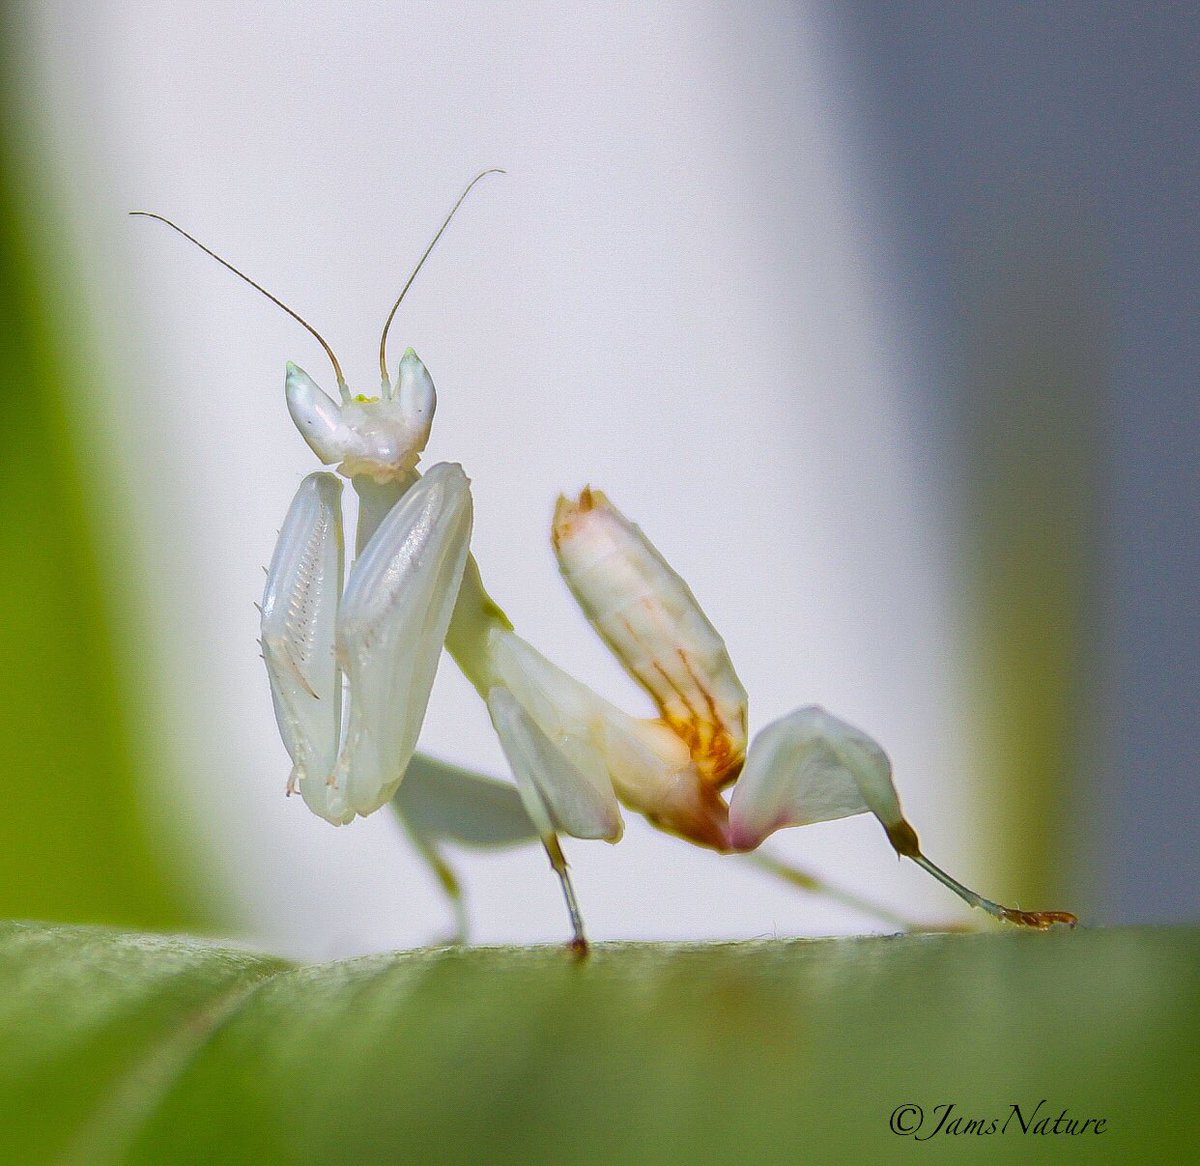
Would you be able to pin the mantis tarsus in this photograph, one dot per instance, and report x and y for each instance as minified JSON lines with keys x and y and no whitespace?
{"x":374,"y":644}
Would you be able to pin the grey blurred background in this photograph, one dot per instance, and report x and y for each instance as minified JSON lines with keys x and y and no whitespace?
{"x":1040,"y":163}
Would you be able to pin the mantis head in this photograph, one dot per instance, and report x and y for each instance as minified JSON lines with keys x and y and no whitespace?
{"x":380,"y":438}
{"x":376,"y":437}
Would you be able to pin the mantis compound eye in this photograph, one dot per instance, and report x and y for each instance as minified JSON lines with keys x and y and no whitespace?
{"x":316,"y":415}
{"x":416,"y":394}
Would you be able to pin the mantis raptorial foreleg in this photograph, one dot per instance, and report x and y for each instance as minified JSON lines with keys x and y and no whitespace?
{"x":299,"y":612}
{"x":351,"y":668}
{"x":383,"y":633}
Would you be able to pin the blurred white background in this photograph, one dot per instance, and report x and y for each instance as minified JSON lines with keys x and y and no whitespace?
{"x":675,"y":295}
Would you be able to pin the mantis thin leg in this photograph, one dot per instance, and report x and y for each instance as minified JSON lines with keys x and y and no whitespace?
{"x":447,"y":880}
{"x":1041,"y":920}
{"x":811,"y":767}
{"x":819,"y":886}
{"x":439,"y":802}
{"x":558,"y":861}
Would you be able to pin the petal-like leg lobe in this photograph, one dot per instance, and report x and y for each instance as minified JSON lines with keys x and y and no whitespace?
{"x":650,"y":619}
{"x":556,"y":795}
{"x":809,"y":767}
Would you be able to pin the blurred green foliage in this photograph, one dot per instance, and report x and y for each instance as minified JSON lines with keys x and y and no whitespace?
{"x":165,"y":1051}
{"x":1037,"y":370}
{"x":74,"y":843}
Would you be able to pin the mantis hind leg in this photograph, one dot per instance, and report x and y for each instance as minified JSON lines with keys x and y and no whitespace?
{"x":816,"y":885}
{"x":447,"y":880}
{"x":442,"y":802}
{"x":578,"y":943}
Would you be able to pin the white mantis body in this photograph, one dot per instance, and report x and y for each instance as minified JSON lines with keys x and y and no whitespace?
{"x":576,"y":758}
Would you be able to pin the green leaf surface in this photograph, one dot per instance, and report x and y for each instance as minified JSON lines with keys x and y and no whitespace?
{"x":143,"y":1049}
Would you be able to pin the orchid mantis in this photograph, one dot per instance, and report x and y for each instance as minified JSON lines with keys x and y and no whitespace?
{"x":370,"y":641}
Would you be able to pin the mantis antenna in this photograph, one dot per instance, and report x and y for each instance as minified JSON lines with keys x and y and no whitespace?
{"x":383,"y":372}
{"x":337,"y":368}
